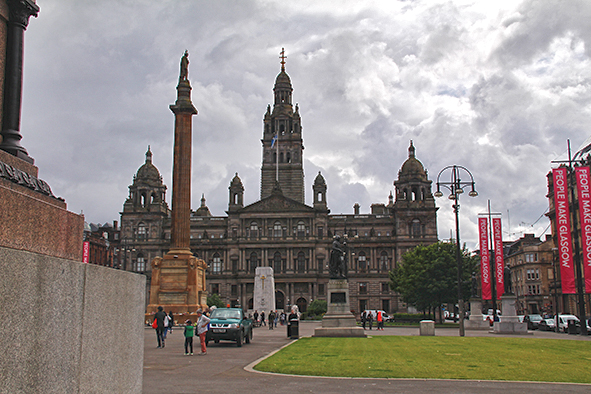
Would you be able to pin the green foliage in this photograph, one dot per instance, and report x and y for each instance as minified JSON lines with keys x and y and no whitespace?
{"x":412,"y":317}
{"x":215,"y":299}
{"x":317,"y":308}
{"x":427,"y":277}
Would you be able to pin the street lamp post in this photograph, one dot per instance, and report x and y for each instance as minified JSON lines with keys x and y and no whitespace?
{"x":456,"y":187}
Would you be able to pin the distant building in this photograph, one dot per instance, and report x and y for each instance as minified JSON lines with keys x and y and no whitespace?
{"x":280,"y":230}
{"x":532,"y":275}
{"x":102,"y":243}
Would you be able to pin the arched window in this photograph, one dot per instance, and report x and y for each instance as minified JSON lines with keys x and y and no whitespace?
{"x":254,"y":262}
{"x":216,"y":266}
{"x":143,"y":201}
{"x":277,"y":262}
{"x":277,"y":233}
{"x":254,"y":230}
{"x":362,"y":262}
{"x":301,"y":263}
{"x":301,"y":230}
{"x":384,"y":266}
{"x":280,"y":157}
{"x":288,"y":157}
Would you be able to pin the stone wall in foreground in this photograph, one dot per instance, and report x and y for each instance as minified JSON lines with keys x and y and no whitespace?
{"x":62,"y":329}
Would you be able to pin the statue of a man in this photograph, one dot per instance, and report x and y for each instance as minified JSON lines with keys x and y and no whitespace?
{"x":474,"y":285}
{"x":337,"y":267}
{"x":184,"y":75}
{"x":507,"y":280}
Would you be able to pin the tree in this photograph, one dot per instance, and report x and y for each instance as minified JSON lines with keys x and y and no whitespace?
{"x":428,"y":275}
{"x":317,"y":308}
{"x":215,"y":300}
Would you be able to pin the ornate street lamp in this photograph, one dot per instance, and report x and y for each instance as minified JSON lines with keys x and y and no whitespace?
{"x":456,"y":187}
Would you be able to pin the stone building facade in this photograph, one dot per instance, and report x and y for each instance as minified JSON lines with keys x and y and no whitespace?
{"x":532,"y":274}
{"x":280,"y":230}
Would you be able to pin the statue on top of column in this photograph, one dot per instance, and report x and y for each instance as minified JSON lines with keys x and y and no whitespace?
{"x":184,"y":75}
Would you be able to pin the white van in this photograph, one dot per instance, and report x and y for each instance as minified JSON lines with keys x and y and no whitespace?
{"x":563,"y":322}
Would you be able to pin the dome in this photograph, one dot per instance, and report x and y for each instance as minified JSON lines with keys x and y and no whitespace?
{"x":319,"y":181}
{"x":283,"y":81}
{"x":236,"y":182}
{"x":412,"y":168}
{"x":148,"y":173}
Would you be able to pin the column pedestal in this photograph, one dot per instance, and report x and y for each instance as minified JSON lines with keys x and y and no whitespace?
{"x":338,"y":320}
{"x":509,"y":323}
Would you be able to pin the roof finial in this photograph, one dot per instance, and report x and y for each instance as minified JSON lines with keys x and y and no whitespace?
{"x":149,"y":155}
{"x":411,"y":150}
{"x":282,"y":57}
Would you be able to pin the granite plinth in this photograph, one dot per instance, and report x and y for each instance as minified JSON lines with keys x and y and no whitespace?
{"x":509,"y":322}
{"x":338,"y":320}
{"x":36,"y":222}
{"x":73,"y":326}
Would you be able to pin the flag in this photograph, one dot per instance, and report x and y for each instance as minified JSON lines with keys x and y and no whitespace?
{"x":584,"y":194}
{"x":562,"y":212}
{"x":484,"y":259}
{"x":273,"y":140}
{"x":499,"y":261}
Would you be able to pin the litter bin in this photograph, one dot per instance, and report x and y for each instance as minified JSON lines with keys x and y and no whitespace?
{"x":293,"y":329}
{"x":572,"y":327}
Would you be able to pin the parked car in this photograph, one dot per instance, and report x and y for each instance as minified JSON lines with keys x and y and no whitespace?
{"x":532,"y":321}
{"x":547,"y":325}
{"x":563,"y":322}
{"x":229,"y":324}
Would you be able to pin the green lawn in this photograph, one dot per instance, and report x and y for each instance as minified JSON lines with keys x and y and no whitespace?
{"x":479,"y":358}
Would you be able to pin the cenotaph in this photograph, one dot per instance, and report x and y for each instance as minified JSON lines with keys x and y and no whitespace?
{"x":178,"y":278}
{"x":264,"y":289}
{"x":338,"y":320}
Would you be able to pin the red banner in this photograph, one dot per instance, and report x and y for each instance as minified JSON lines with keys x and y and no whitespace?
{"x":499,"y":258}
{"x":85,"y":251}
{"x":484,"y":259}
{"x":584,"y":194}
{"x":561,"y":208}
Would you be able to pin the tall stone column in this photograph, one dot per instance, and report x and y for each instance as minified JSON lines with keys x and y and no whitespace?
{"x":183,"y":110}
{"x":178,"y":278}
{"x":19,"y":13}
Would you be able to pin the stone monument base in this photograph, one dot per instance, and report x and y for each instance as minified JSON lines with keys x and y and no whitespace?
{"x":178,"y":284}
{"x":509,"y":323}
{"x":476,"y":321}
{"x":338,"y":320}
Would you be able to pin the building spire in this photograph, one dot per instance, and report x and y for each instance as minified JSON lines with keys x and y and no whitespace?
{"x":282,"y":57}
{"x":411,"y":150}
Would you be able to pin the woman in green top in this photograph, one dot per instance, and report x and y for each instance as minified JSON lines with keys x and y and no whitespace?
{"x":189,"y":334}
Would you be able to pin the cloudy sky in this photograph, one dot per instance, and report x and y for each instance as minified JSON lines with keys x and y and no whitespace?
{"x":497,"y":87}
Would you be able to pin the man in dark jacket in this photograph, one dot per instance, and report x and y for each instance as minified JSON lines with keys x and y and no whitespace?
{"x":159,"y":317}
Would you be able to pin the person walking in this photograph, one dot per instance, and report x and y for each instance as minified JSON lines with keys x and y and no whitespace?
{"x":189,"y":334}
{"x":256,"y":318}
{"x":170,"y":322}
{"x":363,"y":319}
{"x":271,"y":320}
{"x":166,"y":324}
{"x":202,"y":322}
{"x":263,"y":322}
{"x":380,"y":319}
{"x":159,"y":317}
{"x":370,"y":319}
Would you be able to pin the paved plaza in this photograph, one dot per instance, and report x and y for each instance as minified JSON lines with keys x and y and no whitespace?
{"x":226,"y":369}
